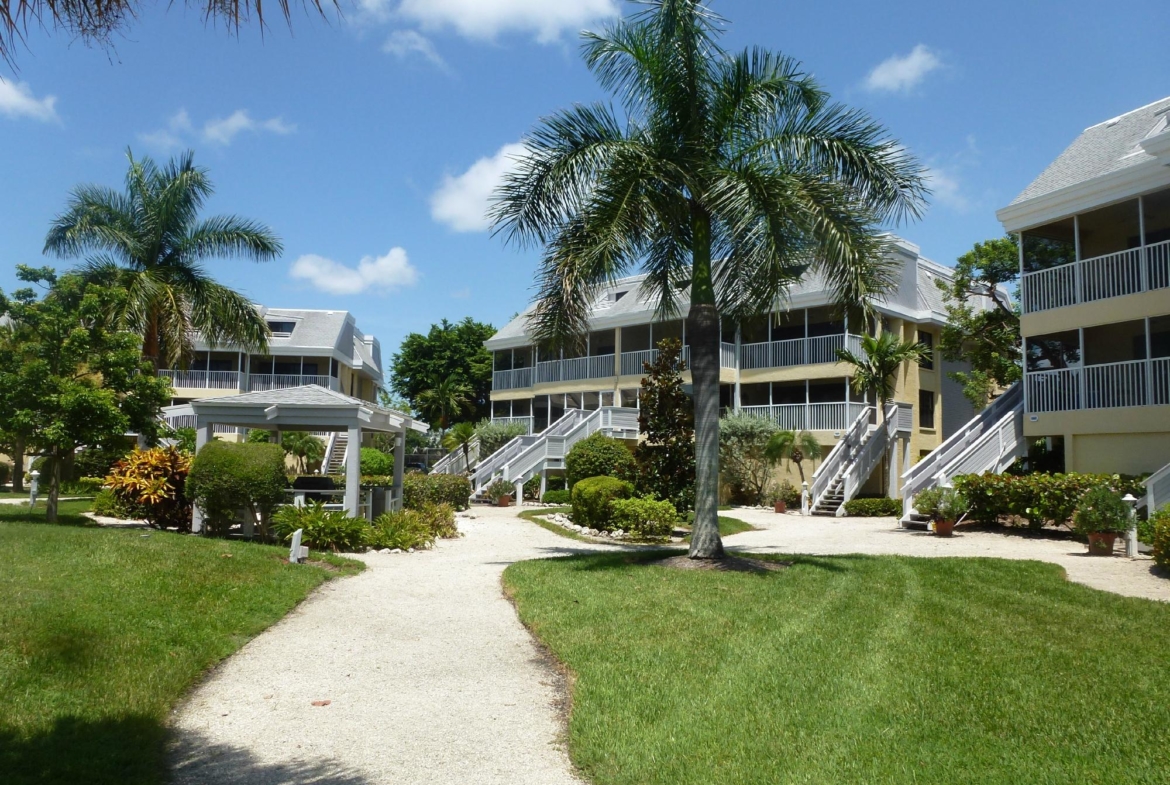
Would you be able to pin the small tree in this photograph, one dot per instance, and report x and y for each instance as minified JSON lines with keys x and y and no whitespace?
{"x":304,"y":447}
{"x":666,"y":457}
{"x":743,"y":444}
{"x":794,"y":448}
{"x":876,"y":367}
{"x":460,"y":436}
{"x":444,"y":400}
{"x":155,"y":483}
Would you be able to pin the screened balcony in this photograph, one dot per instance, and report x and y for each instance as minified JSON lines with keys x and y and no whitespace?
{"x":826,"y":405}
{"x":208,"y":371}
{"x":803,"y":337}
{"x":1113,"y":251}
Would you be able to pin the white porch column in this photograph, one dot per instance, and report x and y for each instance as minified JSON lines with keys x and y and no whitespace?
{"x":543,"y":483}
{"x":399,"y":467}
{"x":893,"y":486}
{"x":353,"y":472}
{"x":202,"y":437}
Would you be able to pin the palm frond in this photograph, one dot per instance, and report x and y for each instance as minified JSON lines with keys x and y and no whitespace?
{"x":228,"y":235}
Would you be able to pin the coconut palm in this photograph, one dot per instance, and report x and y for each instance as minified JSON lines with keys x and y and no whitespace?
{"x":460,"y":435}
{"x":444,"y":400}
{"x":304,"y":447}
{"x":793,"y":447}
{"x":727,"y":178}
{"x":874,"y":370}
{"x":151,"y":241}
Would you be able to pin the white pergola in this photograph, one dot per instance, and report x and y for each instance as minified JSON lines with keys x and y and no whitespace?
{"x":307,"y":408}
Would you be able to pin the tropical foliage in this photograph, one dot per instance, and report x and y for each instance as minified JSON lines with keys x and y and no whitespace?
{"x":444,"y":400}
{"x":876,"y":367}
{"x":727,"y":177}
{"x":459,"y":438}
{"x":743,"y":455}
{"x":305,"y":448}
{"x":321,"y":529}
{"x":1036,"y":499}
{"x":793,"y":447}
{"x":154,"y":483}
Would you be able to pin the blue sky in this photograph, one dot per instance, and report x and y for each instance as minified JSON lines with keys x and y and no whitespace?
{"x":368,"y":143}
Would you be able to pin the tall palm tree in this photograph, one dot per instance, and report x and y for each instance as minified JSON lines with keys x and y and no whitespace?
{"x":728,"y":175}
{"x":460,"y":435}
{"x":444,"y":400}
{"x":151,"y":241}
{"x":875,"y":369}
{"x":793,"y":447}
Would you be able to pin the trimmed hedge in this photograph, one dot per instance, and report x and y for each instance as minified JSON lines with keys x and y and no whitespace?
{"x":591,"y":497}
{"x":1161,"y":540}
{"x":873,"y":508}
{"x":557,"y":497}
{"x":599,"y":455}
{"x":419,"y":489}
{"x":1035,"y":499}
{"x":227,"y":477}
{"x":643,"y":519}
{"x":376,"y":463}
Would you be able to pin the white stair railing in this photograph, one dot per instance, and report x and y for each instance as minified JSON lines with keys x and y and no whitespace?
{"x":455,"y":462}
{"x":873,"y":448}
{"x":488,"y":468}
{"x":1158,"y":490}
{"x":832,"y":467}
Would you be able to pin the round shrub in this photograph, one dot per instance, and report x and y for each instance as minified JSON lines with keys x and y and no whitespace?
{"x":419,"y":489}
{"x":1161,"y":536}
{"x":643,"y":519}
{"x":154,"y":482}
{"x":556,"y":497}
{"x":227,"y":477}
{"x":321,"y":529}
{"x":591,"y":497}
{"x":377,"y":463}
{"x":1101,"y":510}
{"x":873,"y":508}
{"x":106,"y":504}
{"x":599,"y":455}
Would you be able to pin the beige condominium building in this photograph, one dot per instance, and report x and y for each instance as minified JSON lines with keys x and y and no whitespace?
{"x":1094,"y":232}
{"x":783,"y":367}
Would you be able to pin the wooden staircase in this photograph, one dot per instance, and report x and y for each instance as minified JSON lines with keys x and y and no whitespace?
{"x":832,"y":499}
{"x":338,"y":451}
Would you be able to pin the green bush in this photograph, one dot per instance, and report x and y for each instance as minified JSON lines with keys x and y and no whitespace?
{"x":377,"y":480}
{"x":1035,"y":499}
{"x":532,"y":488}
{"x":494,"y":435}
{"x":1101,"y":510}
{"x":556,"y":497}
{"x":154,"y":481}
{"x":873,"y":508}
{"x":643,"y":519}
{"x":952,"y":505}
{"x":499,"y":489}
{"x":403,"y":529}
{"x":99,"y":461}
{"x":419,"y":489}
{"x":322,"y":530}
{"x":926,"y":502}
{"x":591,"y":497}
{"x":440,"y":520}
{"x":376,"y":462}
{"x":784,"y":492}
{"x":556,"y":483}
{"x":227,"y":477}
{"x":599,"y":455}
{"x":1160,"y":541}
{"x":82,"y":486}
{"x":106,"y":503}
{"x":743,"y":464}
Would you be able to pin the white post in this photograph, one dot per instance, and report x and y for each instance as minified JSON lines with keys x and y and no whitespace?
{"x":33,"y":488}
{"x":399,"y":467}
{"x":353,"y":473}
{"x":202,"y":437}
{"x":543,"y":483}
{"x":294,"y":552}
{"x":1131,"y":541}
{"x":804,"y":498}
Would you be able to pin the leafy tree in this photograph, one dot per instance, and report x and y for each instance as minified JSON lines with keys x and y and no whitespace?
{"x":444,"y":400}
{"x":415,"y":441}
{"x":304,"y":447}
{"x":743,"y":445}
{"x":666,"y":457}
{"x":983,"y":324}
{"x":494,"y":434}
{"x":459,"y":437}
{"x":70,"y":380}
{"x":150,"y":241}
{"x":727,"y":178}
{"x":793,"y":447}
{"x":259,"y":436}
{"x":447,"y":351}
{"x":877,"y":365}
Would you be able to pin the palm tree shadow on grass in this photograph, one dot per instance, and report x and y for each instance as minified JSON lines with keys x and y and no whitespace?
{"x":137,"y":750}
{"x":599,"y":562}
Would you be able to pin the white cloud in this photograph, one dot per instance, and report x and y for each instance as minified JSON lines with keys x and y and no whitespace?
{"x":900,"y":74}
{"x":171,"y":137}
{"x":404,"y":43}
{"x":383,"y":273}
{"x":462,"y":202}
{"x":486,"y":19}
{"x":946,"y":189}
{"x":17,"y":100}
{"x":224,"y":130}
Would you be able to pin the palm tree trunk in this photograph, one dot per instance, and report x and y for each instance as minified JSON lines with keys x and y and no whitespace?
{"x":703,"y":330}
{"x":18,"y":464}
{"x":55,"y":461}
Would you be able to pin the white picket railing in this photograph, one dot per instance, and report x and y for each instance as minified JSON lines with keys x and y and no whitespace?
{"x":632,"y":361}
{"x":1110,"y":275}
{"x":455,"y":462}
{"x":259,"y":382}
{"x":726,"y":355}
{"x":924,"y":474}
{"x":204,"y":380}
{"x":1106,"y":386}
{"x":808,"y":416}
{"x":838,"y":458}
{"x":512,"y":380}
{"x":797,"y":351}
{"x":596,"y":367}
{"x":865,"y":459}
{"x":1160,"y":381}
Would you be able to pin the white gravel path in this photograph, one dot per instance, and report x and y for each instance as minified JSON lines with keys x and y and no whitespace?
{"x":794,"y":533}
{"x":431,"y":678}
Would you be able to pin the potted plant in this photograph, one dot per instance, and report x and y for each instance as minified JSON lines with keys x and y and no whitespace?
{"x":783,"y":496}
{"x":501,"y":491}
{"x":949,"y":508}
{"x":1101,"y":515}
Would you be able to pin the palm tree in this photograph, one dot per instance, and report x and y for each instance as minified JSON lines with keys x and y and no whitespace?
{"x":304,"y":447}
{"x":444,"y":400}
{"x":875,"y":369}
{"x":460,"y":435}
{"x":794,"y":448}
{"x":151,"y":241}
{"x":731,"y":176}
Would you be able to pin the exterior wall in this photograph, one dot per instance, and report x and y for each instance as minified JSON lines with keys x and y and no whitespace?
{"x":1129,"y":440}
{"x":957,"y":411}
{"x":1108,"y":311}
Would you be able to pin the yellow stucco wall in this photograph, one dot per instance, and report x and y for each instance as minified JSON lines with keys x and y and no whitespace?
{"x":1117,"y":453}
{"x":1107,"y":311}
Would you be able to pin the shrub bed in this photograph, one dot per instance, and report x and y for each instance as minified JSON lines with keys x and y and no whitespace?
{"x":591,"y":497}
{"x":406,"y":529}
{"x":599,"y":455}
{"x":322,"y":530}
{"x":1160,"y":526}
{"x":557,"y":497}
{"x":419,"y":489}
{"x":643,"y":519}
{"x":1035,"y":499}
{"x":873,"y":508}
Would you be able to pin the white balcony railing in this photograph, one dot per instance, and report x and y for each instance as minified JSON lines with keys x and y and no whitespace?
{"x":1112,"y":275}
{"x":632,"y":361}
{"x":598,"y":367}
{"x":514,"y":379}
{"x":259,"y":382}
{"x":808,"y":416}
{"x":1132,"y":383}
{"x":726,"y":355}
{"x":797,"y":351}
{"x":202,"y":380}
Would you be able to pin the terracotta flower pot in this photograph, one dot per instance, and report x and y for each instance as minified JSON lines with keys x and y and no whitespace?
{"x":781,"y":507}
{"x":1101,"y":543}
{"x":504,"y":501}
{"x":944,"y":528}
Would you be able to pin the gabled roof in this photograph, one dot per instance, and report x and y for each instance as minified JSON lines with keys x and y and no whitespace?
{"x":310,"y":405}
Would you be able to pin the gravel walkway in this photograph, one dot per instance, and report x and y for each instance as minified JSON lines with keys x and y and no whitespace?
{"x":794,"y":533}
{"x":431,"y":678}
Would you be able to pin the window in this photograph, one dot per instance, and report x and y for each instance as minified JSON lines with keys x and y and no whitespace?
{"x":629,"y":398}
{"x":281,"y":329}
{"x":522,"y":407}
{"x":926,"y":408}
{"x":926,"y":340}
{"x":501,"y":409}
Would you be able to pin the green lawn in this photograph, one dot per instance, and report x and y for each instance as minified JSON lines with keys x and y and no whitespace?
{"x":103,"y":631}
{"x":853,"y":669}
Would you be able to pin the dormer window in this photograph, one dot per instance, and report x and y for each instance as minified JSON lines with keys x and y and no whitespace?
{"x":618,"y":295}
{"x":281,"y":329}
